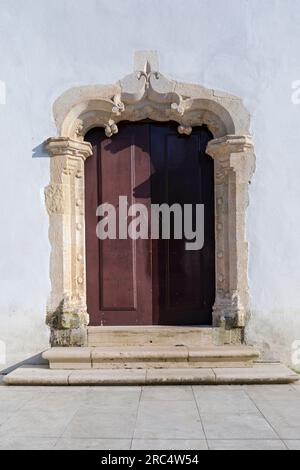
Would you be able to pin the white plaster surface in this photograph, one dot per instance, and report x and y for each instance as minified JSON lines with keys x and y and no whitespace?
{"x":48,"y":47}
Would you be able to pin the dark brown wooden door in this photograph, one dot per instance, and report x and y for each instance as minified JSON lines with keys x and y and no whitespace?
{"x":149,"y":281}
{"x":183,"y":174}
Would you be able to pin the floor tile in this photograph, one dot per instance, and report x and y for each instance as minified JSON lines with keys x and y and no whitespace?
{"x":12,"y":401}
{"x":277,"y":389}
{"x":26,"y":443}
{"x":169,"y":444}
{"x":93,"y":444}
{"x":225,"y":401}
{"x":250,"y":444}
{"x":168,"y":393}
{"x":293,"y":444}
{"x":282,"y":410}
{"x":271,"y":393}
{"x":55,"y":402}
{"x":217,"y":388}
{"x":175,"y":419}
{"x":5,"y":416}
{"x":43,"y":416}
{"x":236,"y":426}
{"x":106,"y":421}
{"x":113,"y":395}
{"x":296,"y":386}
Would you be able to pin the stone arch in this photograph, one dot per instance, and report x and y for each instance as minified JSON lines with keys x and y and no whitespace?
{"x":145,"y":93}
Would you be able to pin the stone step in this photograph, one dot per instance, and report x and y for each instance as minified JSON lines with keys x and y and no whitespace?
{"x":258,"y":374}
{"x":148,"y":357}
{"x":155,"y":335}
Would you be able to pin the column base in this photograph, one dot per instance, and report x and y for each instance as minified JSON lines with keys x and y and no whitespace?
{"x":228,"y":320}
{"x":69,"y":337}
{"x":223,"y":336}
{"x":228,"y":311}
{"x":67,"y":327}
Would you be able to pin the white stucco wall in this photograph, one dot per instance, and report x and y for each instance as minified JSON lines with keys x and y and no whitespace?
{"x":249,"y":48}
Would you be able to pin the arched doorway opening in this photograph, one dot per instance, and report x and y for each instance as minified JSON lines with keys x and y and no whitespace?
{"x":145,"y":280}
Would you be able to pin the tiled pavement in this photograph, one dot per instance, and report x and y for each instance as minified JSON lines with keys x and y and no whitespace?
{"x":162,"y":417}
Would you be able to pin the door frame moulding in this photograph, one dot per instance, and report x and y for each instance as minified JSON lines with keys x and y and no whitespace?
{"x":145,"y":93}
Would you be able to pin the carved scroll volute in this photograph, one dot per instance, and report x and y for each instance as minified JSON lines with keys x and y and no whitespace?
{"x":234,"y":164}
{"x":64,"y":198}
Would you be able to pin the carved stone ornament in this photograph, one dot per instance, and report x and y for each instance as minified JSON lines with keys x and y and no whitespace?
{"x":145,"y":93}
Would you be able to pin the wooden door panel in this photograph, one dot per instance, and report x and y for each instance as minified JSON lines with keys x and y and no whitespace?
{"x":121,"y":290}
{"x":117,"y":259}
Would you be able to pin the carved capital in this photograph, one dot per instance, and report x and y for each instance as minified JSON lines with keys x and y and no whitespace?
{"x":63,"y":146}
{"x":233,"y":152}
{"x":224,"y":146}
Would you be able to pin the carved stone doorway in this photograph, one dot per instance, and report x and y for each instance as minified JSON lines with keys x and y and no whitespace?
{"x":145,"y":94}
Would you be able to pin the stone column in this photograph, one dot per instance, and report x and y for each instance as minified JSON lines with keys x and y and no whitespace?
{"x":234,"y":165}
{"x":66,"y":312}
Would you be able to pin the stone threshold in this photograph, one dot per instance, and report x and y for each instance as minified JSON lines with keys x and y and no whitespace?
{"x":152,"y":335}
{"x":260,"y":373}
